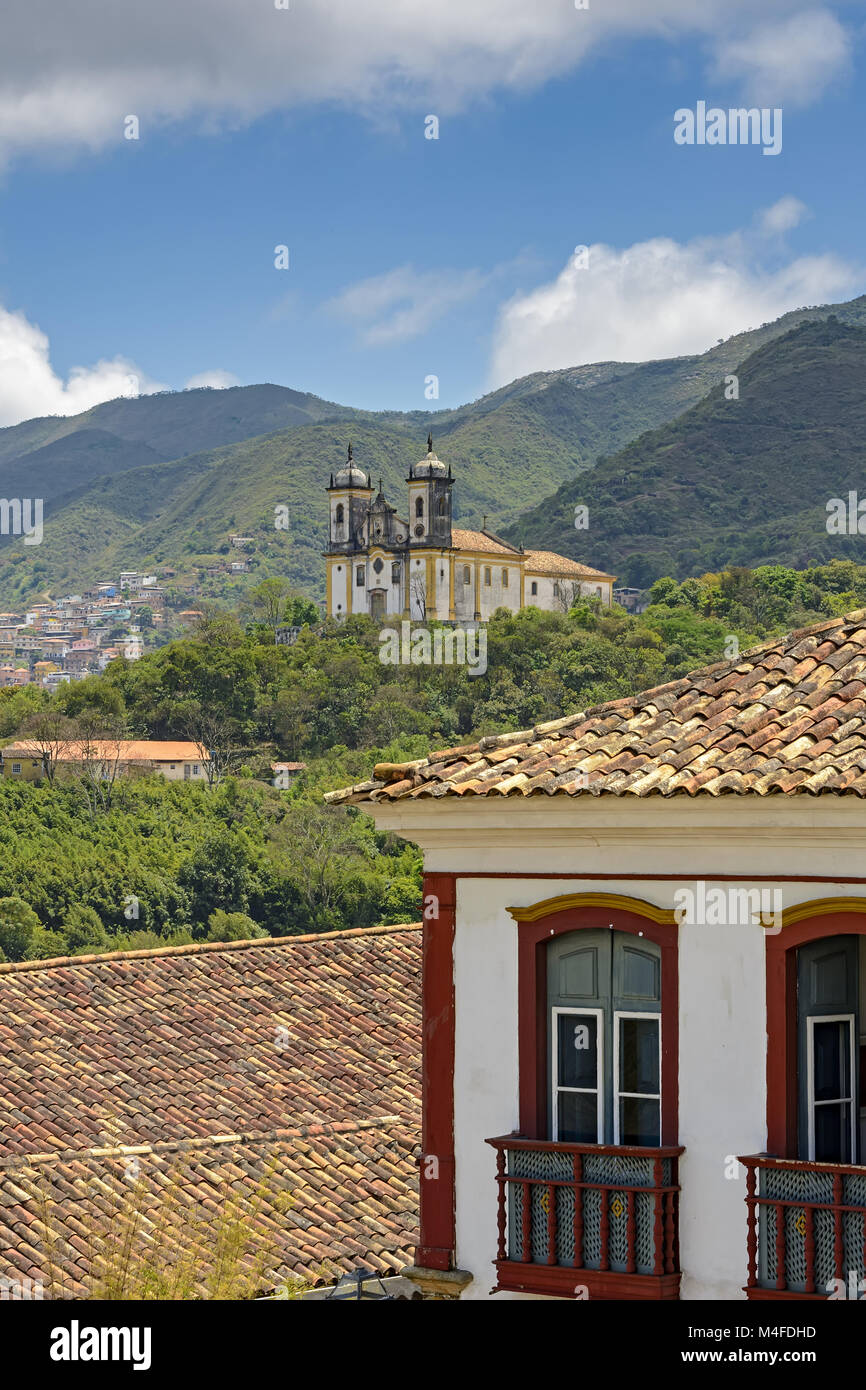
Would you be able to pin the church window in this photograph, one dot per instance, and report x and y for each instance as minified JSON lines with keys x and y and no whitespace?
{"x":443,"y":507}
{"x":395,"y":574}
{"x":339,"y":514}
{"x":505,"y":579}
{"x":419,"y":506}
{"x":359,"y":577}
{"x":534,"y":589}
{"x":466,"y":575}
{"x":378,"y":566}
{"x":486,"y":574}
{"x":555,"y":589}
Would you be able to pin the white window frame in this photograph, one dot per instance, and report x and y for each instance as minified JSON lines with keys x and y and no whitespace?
{"x":633,"y":1095}
{"x":811,"y":1102}
{"x":16,"y":767}
{"x":598,"y":1015}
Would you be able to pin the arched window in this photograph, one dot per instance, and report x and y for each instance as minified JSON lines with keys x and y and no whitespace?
{"x":604,"y":1026}
{"x":505,"y":579}
{"x":443,"y":506}
{"x":486,"y":574}
{"x":817,"y":1046}
{"x":534,"y":588}
{"x":419,"y":506}
{"x":467,"y":578}
{"x":339,"y":514}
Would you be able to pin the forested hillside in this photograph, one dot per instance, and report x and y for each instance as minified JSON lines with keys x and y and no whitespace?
{"x":243,"y":857}
{"x":163,"y":480}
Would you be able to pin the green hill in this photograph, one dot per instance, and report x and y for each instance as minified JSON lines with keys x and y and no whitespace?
{"x":739,"y":482}
{"x":163,"y":480}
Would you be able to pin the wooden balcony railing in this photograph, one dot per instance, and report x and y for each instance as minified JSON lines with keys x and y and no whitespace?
{"x":587,"y":1220}
{"x":806,"y":1233}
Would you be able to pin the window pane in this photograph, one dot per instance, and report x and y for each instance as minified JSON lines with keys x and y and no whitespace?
{"x":638,"y":1121}
{"x":577,"y":1049}
{"x":832,"y":1061}
{"x":639,"y":1055}
{"x":578,"y":1118}
{"x":833,"y":1133}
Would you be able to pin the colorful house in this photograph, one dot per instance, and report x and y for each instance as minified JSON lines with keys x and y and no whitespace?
{"x":645,"y":988}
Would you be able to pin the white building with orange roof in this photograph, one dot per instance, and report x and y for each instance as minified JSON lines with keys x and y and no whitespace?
{"x":424,"y":567}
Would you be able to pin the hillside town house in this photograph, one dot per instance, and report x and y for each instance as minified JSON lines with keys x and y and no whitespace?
{"x":644,"y":1070}
{"x":71,"y":632}
{"x":177,"y":760}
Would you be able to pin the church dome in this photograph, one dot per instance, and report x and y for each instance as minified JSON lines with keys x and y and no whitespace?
{"x":350,"y":475}
{"x":431,"y":466}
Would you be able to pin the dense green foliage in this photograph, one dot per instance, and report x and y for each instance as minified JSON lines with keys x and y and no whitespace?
{"x":174,"y":862}
{"x":171,"y":863}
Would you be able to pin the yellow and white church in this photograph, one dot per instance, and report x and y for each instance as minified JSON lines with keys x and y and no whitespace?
{"x":422,"y":568}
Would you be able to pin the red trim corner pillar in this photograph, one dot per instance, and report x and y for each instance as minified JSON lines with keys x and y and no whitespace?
{"x":438,"y":1228}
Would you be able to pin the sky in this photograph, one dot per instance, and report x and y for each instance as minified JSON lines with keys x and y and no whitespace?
{"x":555,"y":221}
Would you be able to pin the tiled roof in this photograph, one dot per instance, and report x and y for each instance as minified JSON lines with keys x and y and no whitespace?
{"x":287,"y":1067}
{"x":548,"y":562}
{"x":785,"y":717}
{"x":480,"y":540}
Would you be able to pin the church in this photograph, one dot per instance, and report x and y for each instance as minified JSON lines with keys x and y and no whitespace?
{"x":421,"y":568}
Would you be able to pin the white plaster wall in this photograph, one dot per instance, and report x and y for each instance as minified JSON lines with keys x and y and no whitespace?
{"x":722,"y":1098}
{"x":464,"y":594}
{"x":495,"y":594}
{"x":722,"y":1047}
{"x":338,"y":589}
{"x":485,"y":1068}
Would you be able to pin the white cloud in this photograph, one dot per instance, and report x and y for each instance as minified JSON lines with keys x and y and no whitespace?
{"x":403,"y":303}
{"x":218,"y":379}
{"x":783,"y":216}
{"x":658,"y":298}
{"x":787,"y":62}
{"x":29,"y":385}
{"x":72,"y":81}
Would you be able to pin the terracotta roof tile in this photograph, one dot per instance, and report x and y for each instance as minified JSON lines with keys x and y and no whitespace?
{"x":786,"y":717}
{"x":289,"y":1067}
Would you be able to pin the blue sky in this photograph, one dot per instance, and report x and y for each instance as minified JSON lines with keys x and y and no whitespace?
{"x":410,"y":257}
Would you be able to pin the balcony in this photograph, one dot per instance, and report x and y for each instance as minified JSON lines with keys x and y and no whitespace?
{"x":587,"y":1220}
{"x":806,"y":1228}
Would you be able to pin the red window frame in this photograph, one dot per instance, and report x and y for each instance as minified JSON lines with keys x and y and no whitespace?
{"x":800,"y":925}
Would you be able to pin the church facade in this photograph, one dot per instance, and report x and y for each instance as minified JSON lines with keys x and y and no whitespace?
{"x":423,"y":567}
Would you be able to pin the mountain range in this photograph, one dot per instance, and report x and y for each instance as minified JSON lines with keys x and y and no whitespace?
{"x":676,"y":477}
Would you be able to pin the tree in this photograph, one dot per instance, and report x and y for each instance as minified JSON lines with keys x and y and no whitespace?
{"x":215,"y":735}
{"x":266,"y":601}
{"x":84,"y":930}
{"x":315,"y":846}
{"x":232,"y":926}
{"x":301,"y":612}
{"x":216,"y":876}
{"x":98,"y":758}
{"x":19,"y":927}
{"x":48,"y":731}
{"x":418,"y":596}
